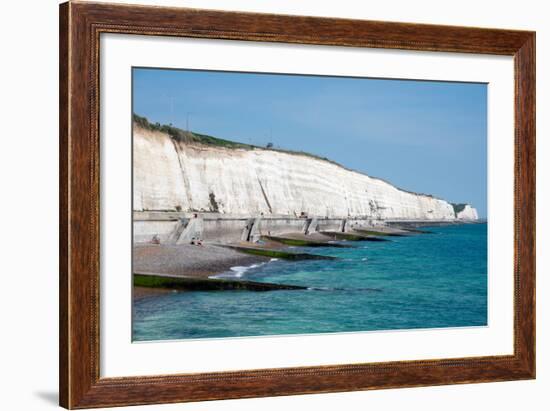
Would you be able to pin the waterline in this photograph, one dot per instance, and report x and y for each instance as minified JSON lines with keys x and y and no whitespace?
{"x":413,"y":282}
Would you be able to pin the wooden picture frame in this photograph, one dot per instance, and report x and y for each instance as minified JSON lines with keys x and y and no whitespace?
{"x":80,"y":27}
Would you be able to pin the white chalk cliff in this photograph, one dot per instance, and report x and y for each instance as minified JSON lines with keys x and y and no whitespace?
{"x":171,"y":175}
{"x":467,"y":213}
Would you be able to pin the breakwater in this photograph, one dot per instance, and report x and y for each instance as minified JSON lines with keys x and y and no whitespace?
{"x":183,"y":283}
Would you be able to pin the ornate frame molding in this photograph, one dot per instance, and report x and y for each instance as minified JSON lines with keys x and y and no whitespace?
{"x":80,"y":27}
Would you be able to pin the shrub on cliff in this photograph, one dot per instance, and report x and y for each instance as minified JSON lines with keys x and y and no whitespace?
{"x":188,"y":136}
{"x":458,"y":207}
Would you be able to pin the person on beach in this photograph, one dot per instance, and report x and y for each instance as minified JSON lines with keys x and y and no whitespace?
{"x":196,"y":241}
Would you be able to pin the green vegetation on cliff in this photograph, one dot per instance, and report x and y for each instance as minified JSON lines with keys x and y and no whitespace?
{"x":458,"y":207}
{"x":177,"y":134}
{"x":188,"y":136}
{"x":191,"y":137}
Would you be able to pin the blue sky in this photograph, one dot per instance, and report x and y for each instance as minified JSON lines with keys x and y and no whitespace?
{"x":428,"y":137}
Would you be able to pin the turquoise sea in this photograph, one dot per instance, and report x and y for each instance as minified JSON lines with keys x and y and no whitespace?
{"x":419,"y":281}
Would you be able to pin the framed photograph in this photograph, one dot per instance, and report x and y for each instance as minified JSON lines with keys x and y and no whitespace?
{"x":260,"y":205}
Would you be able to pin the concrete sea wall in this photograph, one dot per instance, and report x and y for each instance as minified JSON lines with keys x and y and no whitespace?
{"x":174,"y":227}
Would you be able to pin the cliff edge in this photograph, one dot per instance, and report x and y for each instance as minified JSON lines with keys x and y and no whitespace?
{"x":189,"y":175}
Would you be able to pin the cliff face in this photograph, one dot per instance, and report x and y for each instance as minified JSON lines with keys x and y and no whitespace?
{"x":468,"y":213}
{"x":170,"y":175}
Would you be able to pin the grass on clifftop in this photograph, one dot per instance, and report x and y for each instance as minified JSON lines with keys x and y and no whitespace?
{"x":191,"y":137}
{"x":180,"y":135}
{"x":187,"y":136}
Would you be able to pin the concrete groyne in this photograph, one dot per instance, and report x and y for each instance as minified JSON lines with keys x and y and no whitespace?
{"x":163,"y":281}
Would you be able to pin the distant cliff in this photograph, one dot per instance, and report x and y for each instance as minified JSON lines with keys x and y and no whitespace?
{"x":465,"y":212}
{"x":191,"y":173}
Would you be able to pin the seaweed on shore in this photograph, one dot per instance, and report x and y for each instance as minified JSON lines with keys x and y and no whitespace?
{"x":351,"y":237}
{"x":206,"y":284}
{"x":296,"y":242}
{"x":284,"y":255}
{"x":380,"y":233}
